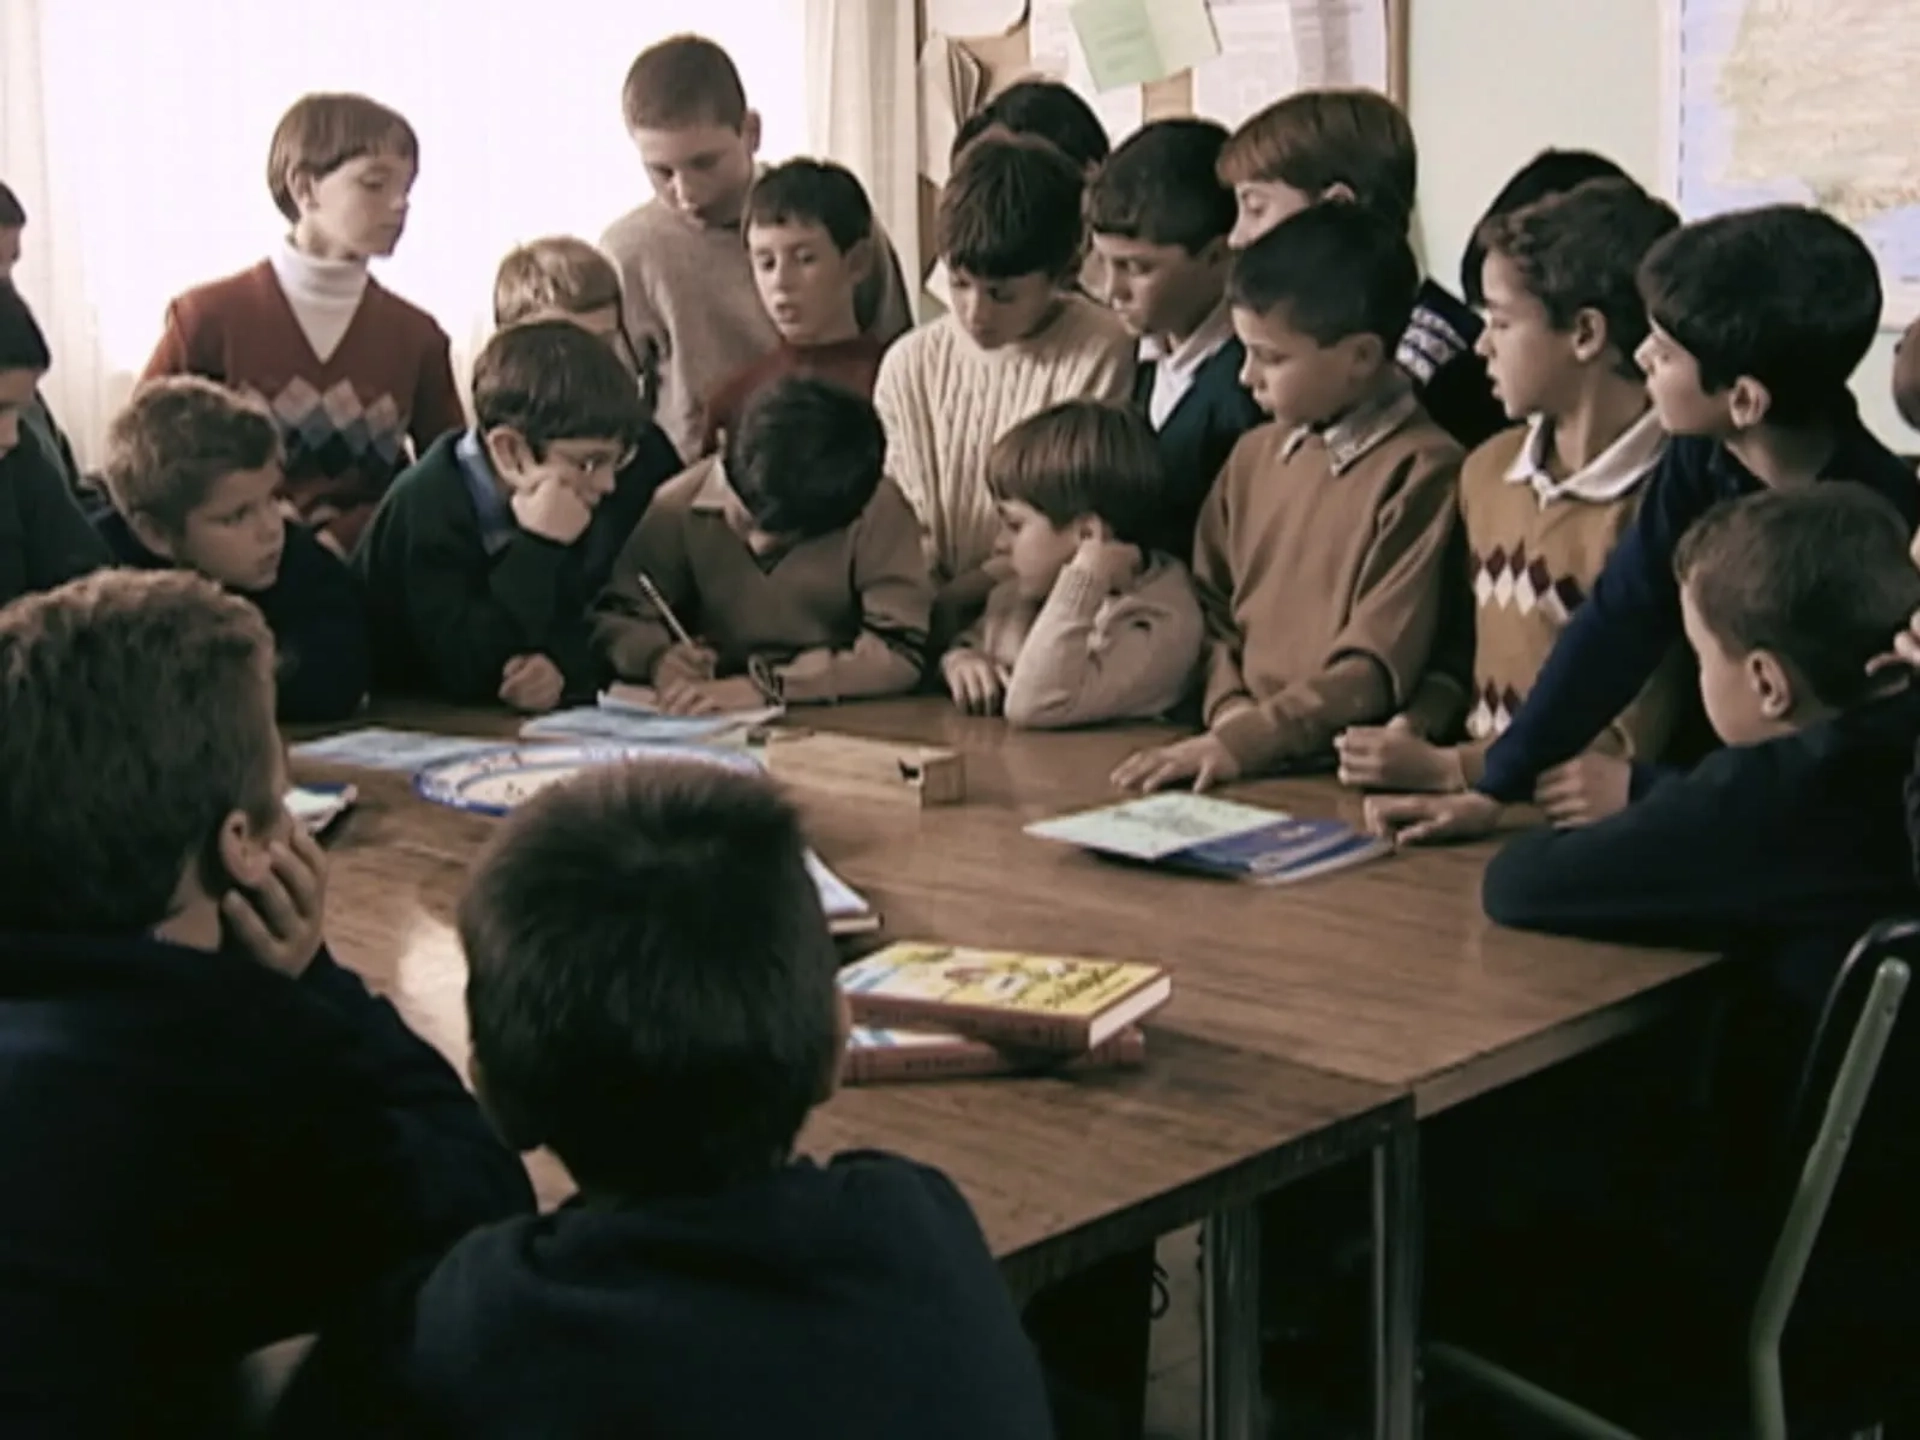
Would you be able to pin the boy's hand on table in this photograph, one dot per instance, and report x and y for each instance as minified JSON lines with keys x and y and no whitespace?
{"x":710,"y":697}
{"x":974,"y":682}
{"x":551,"y":509}
{"x":684,"y":665}
{"x":1200,"y":758}
{"x":280,"y":922}
{"x":1393,"y":757}
{"x":1587,"y":788}
{"x":532,"y":683}
{"x":1429,"y":819}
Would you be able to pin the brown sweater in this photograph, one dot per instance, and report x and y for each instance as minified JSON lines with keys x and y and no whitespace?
{"x":852,"y":363}
{"x":842,"y":615}
{"x":1319,"y":562}
{"x":345,"y":421}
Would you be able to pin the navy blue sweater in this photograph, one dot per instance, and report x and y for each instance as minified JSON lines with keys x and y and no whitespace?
{"x":314,"y":610}
{"x":1197,"y":438}
{"x":1631,"y":618}
{"x":44,"y":536}
{"x":203,"y":1156}
{"x":854,"y":1300}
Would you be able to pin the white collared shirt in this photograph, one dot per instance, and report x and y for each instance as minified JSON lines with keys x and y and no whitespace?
{"x":1611,"y":474}
{"x":1174,"y":369}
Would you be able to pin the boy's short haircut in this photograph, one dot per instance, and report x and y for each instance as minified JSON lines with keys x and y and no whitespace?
{"x":1161,"y":187}
{"x":1045,"y":109}
{"x":1316,"y":139}
{"x":12,"y":213}
{"x":1820,"y":577}
{"x":1335,"y":269}
{"x":1011,"y":208}
{"x":683,"y":82}
{"x":1551,"y":172}
{"x":1582,"y":250}
{"x":550,"y":380}
{"x":813,"y":192}
{"x":558,"y":273}
{"x":136,"y":714}
{"x":650,"y":978}
{"x":322,"y":132}
{"x":1084,"y":457}
{"x":175,"y":438}
{"x":805,"y":456}
{"x":23,"y":345}
{"x":1785,"y":294}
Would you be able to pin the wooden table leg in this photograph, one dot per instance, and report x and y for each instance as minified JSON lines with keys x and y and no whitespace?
{"x":1230,"y":1406}
{"x":1398,"y":1249}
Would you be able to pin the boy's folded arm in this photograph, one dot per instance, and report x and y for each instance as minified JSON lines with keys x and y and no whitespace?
{"x":1302,"y":719}
{"x":1075,"y":670}
{"x":467,"y":636}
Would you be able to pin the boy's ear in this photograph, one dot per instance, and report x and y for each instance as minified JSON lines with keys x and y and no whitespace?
{"x":1339,"y":190}
{"x":242,"y":851}
{"x":1365,"y":353}
{"x":509,"y":451}
{"x":861,"y":256}
{"x":1772,"y":684}
{"x":513,"y":1129}
{"x":1589,"y":334}
{"x":750,"y":131}
{"x":1748,"y":402}
{"x":1092,"y":527}
{"x":152,"y":535}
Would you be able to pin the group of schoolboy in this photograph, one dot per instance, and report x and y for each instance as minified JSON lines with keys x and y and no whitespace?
{"x":1261,"y":469}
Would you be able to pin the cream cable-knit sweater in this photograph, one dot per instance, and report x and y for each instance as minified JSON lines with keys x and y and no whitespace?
{"x":945,"y":401}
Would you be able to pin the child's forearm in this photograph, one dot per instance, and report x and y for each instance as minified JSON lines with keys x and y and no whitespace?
{"x":1302,"y":719}
{"x":1067,"y":675}
{"x":872,"y":666}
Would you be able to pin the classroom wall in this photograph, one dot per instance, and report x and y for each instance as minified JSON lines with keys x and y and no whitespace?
{"x":1490,"y":82}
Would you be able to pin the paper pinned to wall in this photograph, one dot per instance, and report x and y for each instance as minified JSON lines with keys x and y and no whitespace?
{"x":1135,"y":42}
{"x":973,"y":18}
{"x":952,"y":82}
{"x":1056,"y":53}
{"x":1271,"y":48}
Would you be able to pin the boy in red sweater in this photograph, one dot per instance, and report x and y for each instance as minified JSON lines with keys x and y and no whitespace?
{"x":351,"y":372}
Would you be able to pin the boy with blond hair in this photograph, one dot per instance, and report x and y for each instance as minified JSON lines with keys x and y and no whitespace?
{"x":692,"y":309}
{"x":1321,"y":551}
{"x":1356,"y":146}
{"x":193,"y":473}
{"x":351,"y":372}
{"x":214,"y":1137}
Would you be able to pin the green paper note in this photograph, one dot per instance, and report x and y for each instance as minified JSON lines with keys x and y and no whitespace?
{"x":1134,"y":42}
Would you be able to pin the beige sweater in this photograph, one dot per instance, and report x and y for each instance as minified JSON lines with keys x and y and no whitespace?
{"x":1091,"y":654}
{"x":945,"y":401}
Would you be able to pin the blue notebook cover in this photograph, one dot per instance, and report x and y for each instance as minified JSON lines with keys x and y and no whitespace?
{"x":1284,"y":851}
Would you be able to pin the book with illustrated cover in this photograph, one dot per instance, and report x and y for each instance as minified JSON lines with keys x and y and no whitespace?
{"x":882,"y":1057}
{"x":1206,"y":836}
{"x":1057,"y":1003}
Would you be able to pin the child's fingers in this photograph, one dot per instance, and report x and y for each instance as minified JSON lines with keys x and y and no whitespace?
{"x":1907,"y":646}
{"x":248,"y":928}
{"x":274,"y":904}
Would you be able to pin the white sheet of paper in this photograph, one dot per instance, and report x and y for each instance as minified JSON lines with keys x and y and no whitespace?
{"x":967,"y":18}
{"x":1271,"y":48}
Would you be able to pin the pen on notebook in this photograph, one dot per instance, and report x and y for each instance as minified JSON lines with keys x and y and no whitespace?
{"x":659,"y":602}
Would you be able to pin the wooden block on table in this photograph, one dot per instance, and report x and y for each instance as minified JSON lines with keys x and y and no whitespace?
{"x":891,"y":770}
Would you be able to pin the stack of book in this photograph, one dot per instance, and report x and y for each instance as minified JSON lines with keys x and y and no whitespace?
{"x":938,"y":1012}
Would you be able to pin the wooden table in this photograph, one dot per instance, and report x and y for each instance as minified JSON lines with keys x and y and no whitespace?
{"x":1386,"y":980}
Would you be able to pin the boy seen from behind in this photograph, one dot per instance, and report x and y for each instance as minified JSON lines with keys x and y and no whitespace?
{"x":215,"y":1138}
{"x":810,"y":240}
{"x":652,"y":995}
{"x":193,"y":471}
{"x":792,"y":561}
{"x":1542,"y":504}
{"x":1160,"y":217}
{"x":484,"y":558}
{"x":1093,"y":624}
{"x":1321,"y":551}
{"x":692,"y":308}
{"x":1757,"y":320}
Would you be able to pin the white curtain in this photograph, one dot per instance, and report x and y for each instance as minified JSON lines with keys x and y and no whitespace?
{"x":136,"y":136}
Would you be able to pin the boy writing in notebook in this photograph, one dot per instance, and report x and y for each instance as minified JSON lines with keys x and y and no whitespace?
{"x":193,"y":472}
{"x":1321,"y":550}
{"x":1093,"y":624}
{"x":1757,"y":320}
{"x":214,"y":1137}
{"x":1019,"y":338}
{"x":788,"y":571}
{"x":1542,"y":504}
{"x":351,"y":372}
{"x":810,"y":239}
{"x":484,"y":558}
{"x":652,"y":995}
{"x":692,"y":308}
{"x":1159,"y":217}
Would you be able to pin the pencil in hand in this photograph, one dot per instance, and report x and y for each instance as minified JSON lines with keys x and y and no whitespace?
{"x":659,"y":602}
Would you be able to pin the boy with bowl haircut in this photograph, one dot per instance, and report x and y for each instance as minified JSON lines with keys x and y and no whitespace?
{"x":793,"y":562}
{"x":652,"y":994}
{"x":484,"y":558}
{"x":193,"y":473}
{"x":1321,"y":551}
{"x":1757,"y":320}
{"x":1093,"y":624}
{"x":351,"y":372}
{"x":1159,"y":218}
{"x":810,"y":239}
{"x":1020,"y":337}
{"x":214,"y":1137}
{"x":1543,"y":504}
{"x":692,"y":308}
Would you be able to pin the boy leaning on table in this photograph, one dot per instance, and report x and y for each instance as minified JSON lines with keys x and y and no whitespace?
{"x":214,"y":1137}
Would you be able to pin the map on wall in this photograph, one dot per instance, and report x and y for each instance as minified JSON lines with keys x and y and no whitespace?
{"x":1807,"y":101}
